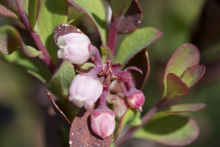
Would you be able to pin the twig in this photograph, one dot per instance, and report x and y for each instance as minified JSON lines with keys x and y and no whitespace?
{"x":145,"y":120}
{"x":45,"y":55}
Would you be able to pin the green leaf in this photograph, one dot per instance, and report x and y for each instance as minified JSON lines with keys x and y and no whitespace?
{"x":128,"y":116}
{"x":175,"y":87}
{"x":51,"y":14}
{"x":135,"y":42}
{"x":87,"y":66}
{"x":184,"y":108}
{"x":120,"y":7}
{"x":96,"y":12}
{"x":171,"y":130}
{"x":185,"y":56}
{"x":193,"y":74}
{"x":62,"y":78}
{"x":33,"y":11}
{"x":106,"y":52}
{"x":10,"y":41}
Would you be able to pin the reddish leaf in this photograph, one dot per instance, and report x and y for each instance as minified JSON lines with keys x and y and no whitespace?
{"x":81,"y":133}
{"x":193,"y":74}
{"x":6,"y":12}
{"x":175,"y":87}
{"x":140,"y":60}
{"x":132,"y":18}
{"x":64,"y":29}
{"x":183,"y":108}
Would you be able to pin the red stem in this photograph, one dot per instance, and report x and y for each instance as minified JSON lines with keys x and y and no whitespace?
{"x":112,"y":33}
{"x":45,"y":55}
{"x":145,"y":120}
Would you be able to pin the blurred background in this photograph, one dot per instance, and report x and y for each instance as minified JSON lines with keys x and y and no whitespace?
{"x":25,"y":109}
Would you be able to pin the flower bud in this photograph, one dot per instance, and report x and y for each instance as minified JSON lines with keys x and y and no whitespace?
{"x":103,"y":122}
{"x":74,"y":47}
{"x":136,"y":99}
{"x":120,"y":106}
{"x":85,"y":90}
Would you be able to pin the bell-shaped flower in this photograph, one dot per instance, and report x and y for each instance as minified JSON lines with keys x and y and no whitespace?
{"x":103,"y":122}
{"x":85,"y":90}
{"x":136,"y":99}
{"x":74,"y":47}
{"x":120,"y":106}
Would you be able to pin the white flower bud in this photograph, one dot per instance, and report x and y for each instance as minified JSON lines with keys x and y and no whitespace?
{"x":74,"y":47}
{"x":103,"y":122}
{"x":85,"y":90}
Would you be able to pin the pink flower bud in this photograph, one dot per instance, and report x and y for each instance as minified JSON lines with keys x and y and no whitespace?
{"x":103,"y":122}
{"x":74,"y":47}
{"x":85,"y":90}
{"x":136,"y":99}
{"x":120,"y":106}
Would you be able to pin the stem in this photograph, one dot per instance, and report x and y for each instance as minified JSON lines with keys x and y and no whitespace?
{"x":45,"y":55}
{"x":145,"y":120}
{"x":98,"y":59}
{"x":112,"y":33}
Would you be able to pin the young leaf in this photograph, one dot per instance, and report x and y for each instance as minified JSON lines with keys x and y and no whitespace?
{"x":96,"y":12}
{"x":184,"y":108}
{"x":6,"y":12}
{"x":132,"y":19}
{"x":10,"y":41}
{"x":135,"y":42}
{"x":185,"y":56}
{"x":51,"y":14}
{"x":128,"y":116}
{"x":171,"y":130}
{"x":119,"y":7}
{"x":33,"y":10}
{"x":193,"y":74}
{"x":81,"y":133}
{"x":175,"y":87}
{"x":140,"y":60}
{"x":62,"y":78}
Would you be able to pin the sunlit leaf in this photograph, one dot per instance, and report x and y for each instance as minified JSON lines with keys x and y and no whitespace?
{"x":135,"y":42}
{"x":193,"y":74}
{"x":96,"y":12}
{"x":185,"y":56}
{"x":51,"y":14}
{"x":171,"y":130}
{"x":175,"y":87}
{"x":183,"y":108}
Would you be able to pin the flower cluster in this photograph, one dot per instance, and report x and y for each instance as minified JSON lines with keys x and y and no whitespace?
{"x":89,"y":87}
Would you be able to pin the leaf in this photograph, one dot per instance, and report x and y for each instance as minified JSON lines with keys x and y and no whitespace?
{"x":175,"y":87}
{"x":12,"y":4}
{"x":184,"y":108}
{"x":10,"y":41}
{"x":33,"y":11}
{"x":171,"y":130}
{"x":96,"y":12}
{"x":106,"y":52}
{"x":119,"y":7}
{"x":51,"y":14}
{"x":132,"y":18}
{"x":135,"y":42}
{"x":81,"y":133}
{"x":141,"y":61}
{"x":185,"y":56}
{"x":193,"y":74}
{"x":6,"y":12}
{"x":62,"y":78}
{"x":128,"y":116}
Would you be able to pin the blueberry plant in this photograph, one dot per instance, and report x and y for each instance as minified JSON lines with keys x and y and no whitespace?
{"x":97,"y":89}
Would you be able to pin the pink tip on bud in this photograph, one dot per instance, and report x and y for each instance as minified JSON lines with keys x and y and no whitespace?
{"x":103,"y":122}
{"x":74,"y":47}
{"x":136,"y":99}
{"x":85,"y":90}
